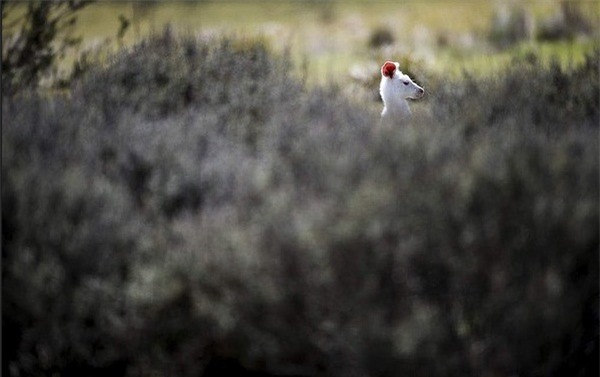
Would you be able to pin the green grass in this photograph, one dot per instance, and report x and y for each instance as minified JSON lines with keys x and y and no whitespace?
{"x":331,"y":37}
{"x":567,"y":54}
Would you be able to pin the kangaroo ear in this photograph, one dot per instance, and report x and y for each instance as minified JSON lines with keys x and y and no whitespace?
{"x":388,"y":69}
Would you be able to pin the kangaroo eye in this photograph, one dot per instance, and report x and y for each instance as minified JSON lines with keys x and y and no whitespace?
{"x":405,"y":82}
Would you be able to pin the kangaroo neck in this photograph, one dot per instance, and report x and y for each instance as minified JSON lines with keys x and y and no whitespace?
{"x":394,"y":102}
{"x":396,"y":106}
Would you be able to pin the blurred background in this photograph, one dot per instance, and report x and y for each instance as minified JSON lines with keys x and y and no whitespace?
{"x":445,"y":37}
{"x":204,"y":188}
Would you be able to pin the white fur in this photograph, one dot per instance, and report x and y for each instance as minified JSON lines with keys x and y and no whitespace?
{"x":395,"y":91}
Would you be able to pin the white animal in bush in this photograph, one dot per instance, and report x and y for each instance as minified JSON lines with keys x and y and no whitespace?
{"x":395,"y":89}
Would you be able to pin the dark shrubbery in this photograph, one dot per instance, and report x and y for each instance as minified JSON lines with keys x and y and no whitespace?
{"x":179,"y":73}
{"x":569,"y":22}
{"x":381,"y":36}
{"x":525,"y":95}
{"x":191,"y":209}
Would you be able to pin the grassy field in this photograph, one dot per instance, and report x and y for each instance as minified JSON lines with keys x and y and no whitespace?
{"x":442,"y":37}
{"x":330,"y":35}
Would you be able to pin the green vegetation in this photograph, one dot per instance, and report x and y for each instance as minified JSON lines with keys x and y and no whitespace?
{"x":34,"y":36}
{"x":449,"y":37}
{"x":191,"y":208}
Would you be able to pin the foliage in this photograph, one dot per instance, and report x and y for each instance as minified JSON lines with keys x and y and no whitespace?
{"x":34,"y":41}
{"x":525,"y":95}
{"x":511,"y":25}
{"x":570,"y":22}
{"x":515,"y":23}
{"x":193,"y":209}
{"x":381,"y":36}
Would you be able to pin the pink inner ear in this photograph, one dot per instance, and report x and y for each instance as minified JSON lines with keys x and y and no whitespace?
{"x":388,"y":69}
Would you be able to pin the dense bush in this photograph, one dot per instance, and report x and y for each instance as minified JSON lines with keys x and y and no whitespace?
{"x":526,"y":95}
{"x":192,"y":209}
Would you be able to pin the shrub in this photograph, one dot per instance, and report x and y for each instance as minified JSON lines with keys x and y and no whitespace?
{"x":524,"y":95}
{"x":180,"y":73}
{"x":267,"y":228}
{"x":32,"y":43}
{"x":380,"y":37}
{"x":568,"y":22}
{"x":511,"y":25}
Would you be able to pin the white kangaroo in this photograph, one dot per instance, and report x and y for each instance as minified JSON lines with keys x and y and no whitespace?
{"x":395,"y":89}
